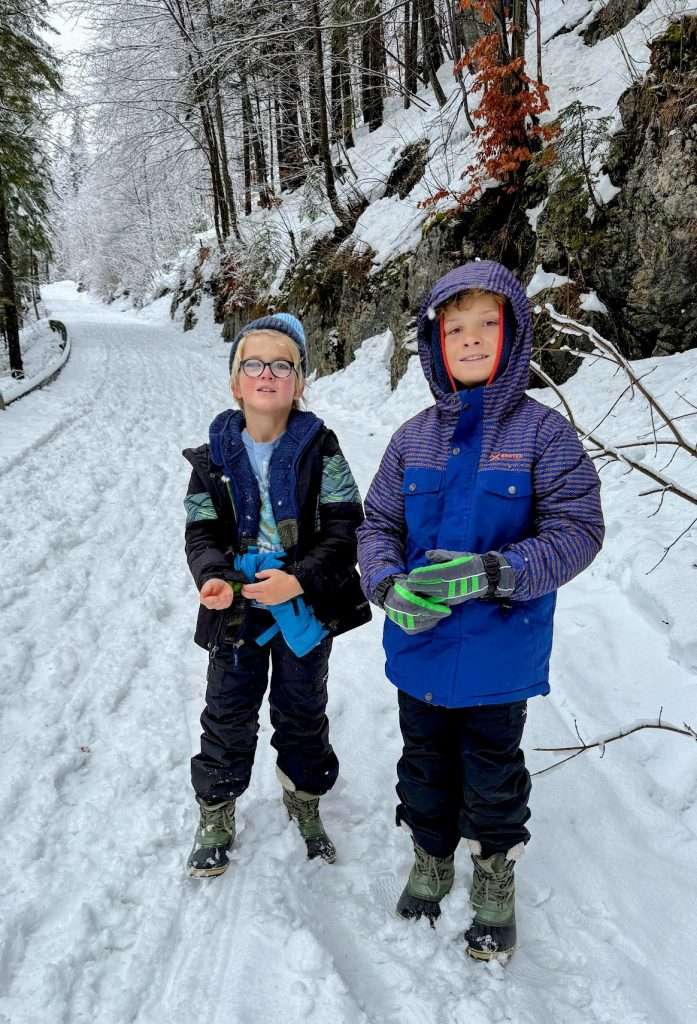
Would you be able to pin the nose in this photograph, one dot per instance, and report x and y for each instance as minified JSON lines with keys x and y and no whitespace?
{"x":266,"y":373}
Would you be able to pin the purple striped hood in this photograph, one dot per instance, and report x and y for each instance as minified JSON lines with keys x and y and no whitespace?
{"x":508,"y":389}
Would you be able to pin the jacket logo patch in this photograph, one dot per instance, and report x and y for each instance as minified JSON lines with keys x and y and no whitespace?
{"x":505,"y":457}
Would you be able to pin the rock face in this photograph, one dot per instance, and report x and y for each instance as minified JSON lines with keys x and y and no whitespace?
{"x":611,"y":18}
{"x":647,"y":259}
{"x":341,"y":302}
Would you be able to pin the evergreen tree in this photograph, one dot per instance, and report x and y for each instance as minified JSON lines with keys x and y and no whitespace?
{"x":28,"y":71}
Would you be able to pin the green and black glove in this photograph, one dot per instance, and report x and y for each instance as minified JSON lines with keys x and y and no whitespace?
{"x":456,"y":576}
{"x":411,"y":612}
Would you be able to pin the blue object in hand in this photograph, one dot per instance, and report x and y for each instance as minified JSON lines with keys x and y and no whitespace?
{"x":301,"y":629}
{"x":254,"y":561}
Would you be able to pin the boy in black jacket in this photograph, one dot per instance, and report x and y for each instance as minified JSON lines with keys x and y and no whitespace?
{"x":272,"y":513}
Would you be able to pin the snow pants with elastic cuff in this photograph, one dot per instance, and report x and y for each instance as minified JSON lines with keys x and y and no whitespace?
{"x":238,"y":675}
{"x":462,"y":774}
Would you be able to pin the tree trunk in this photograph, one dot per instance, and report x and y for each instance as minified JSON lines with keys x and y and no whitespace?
{"x":324,"y":148}
{"x":8,"y":294}
{"x":373,"y":66}
{"x":519,"y":26}
{"x":411,"y":51}
{"x":220,"y":124}
{"x":224,"y":167}
{"x":457,"y":21}
{"x":259,"y":154}
{"x":538,"y":37}
{"x":223,"y":218}
{"x":433,"y":57}
{"x":315,"y":85}
{"x":35,"y":291}
{"x":341,"y":95}
{"x":246,"y":159}
{"x":289,"y":147}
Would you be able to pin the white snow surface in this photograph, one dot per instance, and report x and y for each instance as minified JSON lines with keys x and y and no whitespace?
{"x":102,"y":687}
{"x":591,"y":303}
{"x":542,"y":279}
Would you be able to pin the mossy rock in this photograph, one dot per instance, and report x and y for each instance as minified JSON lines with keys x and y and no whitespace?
{"x":676,"y":50}
{"x":566,"y":237}
{"x":409,"y":169}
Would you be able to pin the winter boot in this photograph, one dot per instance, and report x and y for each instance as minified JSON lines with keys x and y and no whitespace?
{"x":430,"y":879}
{"x":492,"y":934}
{"x":304,"y":808}
{"x":214,"y":837}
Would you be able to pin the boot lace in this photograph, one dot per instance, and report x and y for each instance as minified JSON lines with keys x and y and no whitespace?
{"x":496,"y":888}
{"x":217,"y":817}
{"x":306,"y":814}
{"x":438,"y":870}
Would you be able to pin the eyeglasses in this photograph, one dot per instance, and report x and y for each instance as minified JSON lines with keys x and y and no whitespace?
{"x":281,"y":368}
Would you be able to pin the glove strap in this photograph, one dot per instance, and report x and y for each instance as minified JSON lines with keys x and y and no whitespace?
{"x":268,"y":634}
{"x":492,"y":568}
{"x":381,"y":590}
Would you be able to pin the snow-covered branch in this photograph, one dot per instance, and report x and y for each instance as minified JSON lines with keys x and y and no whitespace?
{"x":599,"y":447}
{"x":602,"y":741}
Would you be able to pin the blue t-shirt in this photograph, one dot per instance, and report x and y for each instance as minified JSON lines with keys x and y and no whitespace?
{"x":260,"y":453}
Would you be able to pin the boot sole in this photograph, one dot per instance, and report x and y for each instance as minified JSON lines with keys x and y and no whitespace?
{"x":207,"y":872}
{"x":502,"y":955}
{"x":413,"y":908}
{"x":328,"y":858}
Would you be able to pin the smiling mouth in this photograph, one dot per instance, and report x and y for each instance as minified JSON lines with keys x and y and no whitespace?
{"x":266,"y":391}
{"x":472,"y":359}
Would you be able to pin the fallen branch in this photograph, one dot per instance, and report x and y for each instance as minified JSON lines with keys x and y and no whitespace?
{"x":603,"y":741}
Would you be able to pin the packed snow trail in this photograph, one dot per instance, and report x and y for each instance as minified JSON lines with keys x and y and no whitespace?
{"x":101,"y":688}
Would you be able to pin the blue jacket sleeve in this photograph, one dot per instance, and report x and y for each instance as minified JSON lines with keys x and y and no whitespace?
{"x":569,"y":526}
{"x":382,"y":536}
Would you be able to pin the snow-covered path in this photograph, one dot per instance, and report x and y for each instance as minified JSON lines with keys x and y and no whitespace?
{"x":101,"y":688}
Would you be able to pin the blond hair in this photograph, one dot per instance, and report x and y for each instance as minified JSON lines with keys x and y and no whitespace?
{"x":293,"y":353}
{"x":464,"y":298}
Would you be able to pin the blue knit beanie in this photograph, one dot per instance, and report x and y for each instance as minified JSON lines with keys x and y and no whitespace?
{"x":286,"y":323}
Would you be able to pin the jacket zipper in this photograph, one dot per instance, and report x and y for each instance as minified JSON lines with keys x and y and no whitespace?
{"x":226,"y":479}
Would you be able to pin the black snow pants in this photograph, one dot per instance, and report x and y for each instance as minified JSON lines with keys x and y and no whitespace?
{"x":237,"y":680}
{"x":462,"y":773}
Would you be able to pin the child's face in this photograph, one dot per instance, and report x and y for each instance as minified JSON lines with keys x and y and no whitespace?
{"x":471,"y":338}
{"x":266,"y":393}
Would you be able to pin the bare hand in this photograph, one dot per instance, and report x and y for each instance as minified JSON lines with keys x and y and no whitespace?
{"x":277,"y":587}
{"x":216,"y":595}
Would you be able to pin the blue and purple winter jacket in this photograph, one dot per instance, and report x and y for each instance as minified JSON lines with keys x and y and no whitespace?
{"x":487,"y":468}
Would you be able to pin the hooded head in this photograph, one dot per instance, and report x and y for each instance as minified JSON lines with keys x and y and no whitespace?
{"x":509,"y":376}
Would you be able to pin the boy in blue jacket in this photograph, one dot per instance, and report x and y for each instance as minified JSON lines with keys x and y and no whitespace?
{"x":483,"y":505}
{"x":272,"y":511}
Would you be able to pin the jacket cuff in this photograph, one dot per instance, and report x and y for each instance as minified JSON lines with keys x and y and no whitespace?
{"x":379,"y":589}
{"x":519,"y":567}
{"x":296,"y":569}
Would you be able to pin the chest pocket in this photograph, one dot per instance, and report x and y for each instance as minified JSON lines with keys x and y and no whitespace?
{"x":503,"y":509}
{"x":423,"y":492}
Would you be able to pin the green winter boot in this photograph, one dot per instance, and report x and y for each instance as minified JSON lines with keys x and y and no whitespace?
{"x":304,"y":809}
{"x":492,"y":934}
{"x":214,"y":837}
{"x":430,"y":879}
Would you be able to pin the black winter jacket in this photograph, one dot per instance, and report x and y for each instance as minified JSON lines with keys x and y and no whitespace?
{"x":321,"y":510}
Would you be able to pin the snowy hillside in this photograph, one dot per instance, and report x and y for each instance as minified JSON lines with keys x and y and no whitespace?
{"x":390,"y":226}
{"x":101,"y":688}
